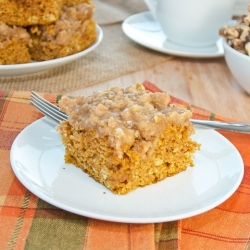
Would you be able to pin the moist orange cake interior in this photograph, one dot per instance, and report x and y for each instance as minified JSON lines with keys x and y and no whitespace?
{"x":127,"y":138}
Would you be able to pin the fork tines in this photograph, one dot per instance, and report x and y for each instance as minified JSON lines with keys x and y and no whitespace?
{"x":47,"y":108}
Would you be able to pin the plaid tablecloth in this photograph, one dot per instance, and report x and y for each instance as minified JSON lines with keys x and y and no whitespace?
{"x":27,"y":222}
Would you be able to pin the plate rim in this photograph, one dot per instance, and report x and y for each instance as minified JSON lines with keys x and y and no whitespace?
{"x":116,"y":218}
{"x":220,"y":52}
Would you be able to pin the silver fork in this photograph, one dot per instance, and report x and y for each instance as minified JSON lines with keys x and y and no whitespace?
{"x":52,"y":111}
{"x":47,"y":108}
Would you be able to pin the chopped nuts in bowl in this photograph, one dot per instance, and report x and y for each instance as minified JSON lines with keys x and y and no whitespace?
{"x":236,"y":44}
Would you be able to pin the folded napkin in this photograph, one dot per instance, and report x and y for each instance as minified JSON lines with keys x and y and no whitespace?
{"x":27,"y":222}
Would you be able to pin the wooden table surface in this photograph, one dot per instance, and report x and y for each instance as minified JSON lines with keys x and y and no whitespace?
{"x":206,"y":83}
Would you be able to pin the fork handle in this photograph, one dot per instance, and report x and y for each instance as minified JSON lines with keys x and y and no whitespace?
{"x":231,"y":126}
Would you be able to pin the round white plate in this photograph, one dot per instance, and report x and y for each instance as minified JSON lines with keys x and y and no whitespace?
{"x":143,"y":29}
{"x":37,"y":67}
{"x":37,"y":159}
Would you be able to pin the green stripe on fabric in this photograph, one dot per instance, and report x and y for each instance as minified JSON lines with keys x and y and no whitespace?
{"x":169,"y":236}
{"x":54,"y":229}
{"x":19,"y":222}
{"x":3,"y":97}
{"x":212,"y":117}
{"x":58,"y":98}
{"x":4,"y":94}
{"x":157,"y":231}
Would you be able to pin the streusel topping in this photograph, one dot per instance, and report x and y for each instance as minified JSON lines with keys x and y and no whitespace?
{"x":73,"y":20}
{"x":125,"y":115}
{"x":9,"y":32}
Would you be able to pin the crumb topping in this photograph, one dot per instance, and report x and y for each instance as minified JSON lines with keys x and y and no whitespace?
{"x":73,"y":20}
{"x":7,"y":33}
{"x":125,"y":115}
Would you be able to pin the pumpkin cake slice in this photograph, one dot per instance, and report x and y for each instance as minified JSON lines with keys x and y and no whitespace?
{"x":14,"y":45}
{"x":73,"y":32}
{"x":30,"y":12}
{"x":127,"y":138}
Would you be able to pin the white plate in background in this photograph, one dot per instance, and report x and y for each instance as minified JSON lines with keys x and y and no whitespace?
{"x":37,"y":67}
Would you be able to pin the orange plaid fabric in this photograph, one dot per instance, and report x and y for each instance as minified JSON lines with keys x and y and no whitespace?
{"x":228,"y":225}
{"x":27,"y":222}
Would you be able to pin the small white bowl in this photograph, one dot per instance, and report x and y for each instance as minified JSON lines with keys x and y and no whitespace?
{"x":239,"y":65}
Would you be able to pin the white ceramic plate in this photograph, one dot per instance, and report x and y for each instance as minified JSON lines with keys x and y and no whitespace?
{"x":37,"y":67}
{"x":37,"y":158}
{"x":143,"y":29}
